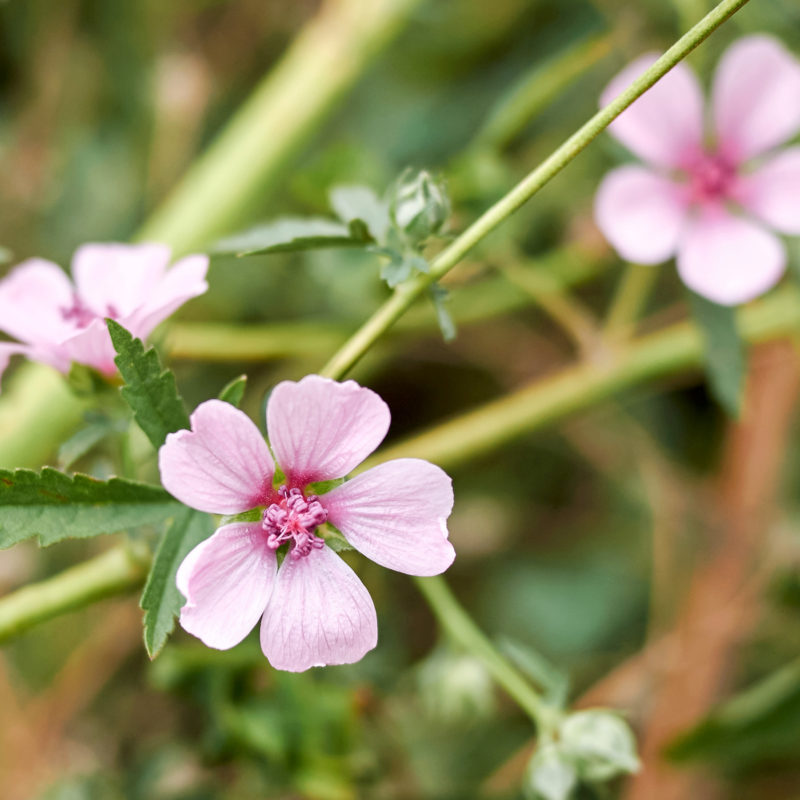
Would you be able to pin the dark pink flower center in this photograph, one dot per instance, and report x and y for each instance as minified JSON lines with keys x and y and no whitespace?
{"x":293,"y":520}
{"x":711,"y":178}
{"x":81,"y":315}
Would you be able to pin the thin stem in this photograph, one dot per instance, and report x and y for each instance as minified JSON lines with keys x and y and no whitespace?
{"x":115,"y":572}
{"x":464,"y":632}
{"x":629,"y":301}
{"x":325,"y":60}
{"x":407,"y":293}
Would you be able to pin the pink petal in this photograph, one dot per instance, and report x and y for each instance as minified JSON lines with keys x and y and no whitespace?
{"x":772,"y":192}
{"x":113,"y":280}
{"x":729,"y":259}
{"x":396,"y":514}
{"x":90,"y":346}
{"x":227,"y":581}
{"x":756,"y":97}
{"x":665,"y":125}
{"x":320,"y":429}
{"x":183,"y":281}
{"x":640,"y":213}
{"x":319,"y":613}
{"x":222,"y":466}
{"x":32,"y":298}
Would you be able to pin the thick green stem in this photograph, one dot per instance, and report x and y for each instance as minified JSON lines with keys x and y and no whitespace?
{"x":407,"y":293}
{"x":465,"y":633}
{"x":663,"y":353}
{"x":115,"y":572}
{"x":324,"y":61}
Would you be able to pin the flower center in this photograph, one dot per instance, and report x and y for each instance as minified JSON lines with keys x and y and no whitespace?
{"x":293,"y":519}
{"x":711,"y":178}
{"x":81,"y":315}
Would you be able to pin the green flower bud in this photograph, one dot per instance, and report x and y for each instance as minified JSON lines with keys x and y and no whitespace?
{"x":455,"y":688}
{"x":550,"y":775}
{"x":600,"y":743}
{"x":419,"y":206}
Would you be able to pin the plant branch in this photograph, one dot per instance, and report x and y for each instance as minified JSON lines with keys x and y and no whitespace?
{"x":405,"y":294}
{"x":115,"y":572}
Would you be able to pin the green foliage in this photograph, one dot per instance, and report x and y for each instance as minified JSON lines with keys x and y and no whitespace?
{"x":161,"y":600}
{"x":149,"y":390}
{"x":53,"y":506}
{"x":97,"y":427}
{"x":290,"y":235}
{"x":551,"y":775}
{"x":724,"y":352}
{"x":234,"y":391}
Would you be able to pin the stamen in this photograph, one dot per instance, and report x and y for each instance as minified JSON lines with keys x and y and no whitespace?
{"x":293,"y":520}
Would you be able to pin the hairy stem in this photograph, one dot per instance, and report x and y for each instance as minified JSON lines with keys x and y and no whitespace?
{"x":408,"y":292}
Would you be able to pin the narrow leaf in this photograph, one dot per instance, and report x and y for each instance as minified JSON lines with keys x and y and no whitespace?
{"x":294,"y":234}
{"x":149,"y":390}
{"x":234,"y":391}
{"x":724,"y":352}
{"x":52,"y":506}
{"x":360,"y":203}
{"x":439,"y":295}
{"x":161,"y":599}
{"x":80,"y":443}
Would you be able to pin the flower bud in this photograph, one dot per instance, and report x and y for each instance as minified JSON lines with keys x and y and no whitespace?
{"x":600,"y":743}
{"x":455,"y":688}
{"x":419,"y":205}
{"x":550,"y":775}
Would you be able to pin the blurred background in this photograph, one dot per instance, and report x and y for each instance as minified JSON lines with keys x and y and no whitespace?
{"x":647,"y":547}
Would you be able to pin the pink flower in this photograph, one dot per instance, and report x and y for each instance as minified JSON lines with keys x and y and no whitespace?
{"x":314,"y":610}
{"x":58,"y":322}
{"x":712,"y":204}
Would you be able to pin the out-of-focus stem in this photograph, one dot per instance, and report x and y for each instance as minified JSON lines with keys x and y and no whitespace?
{"x":115,"y":572}
{"x":408,"y":292}
{"x":465,"y":633}
{"x":670,"y":350}
{"x":629,"y":300}
{"x":325,"y":59}
{"x":538,"y":87}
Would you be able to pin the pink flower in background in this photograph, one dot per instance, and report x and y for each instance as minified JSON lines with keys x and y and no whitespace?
{"x":713,"y":203}
{"x":57,"y":322}
{"x":313,"y":608}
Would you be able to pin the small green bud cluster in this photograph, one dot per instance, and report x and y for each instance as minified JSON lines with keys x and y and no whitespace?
{"x":589,"y":746}
{"x":419,"y":206}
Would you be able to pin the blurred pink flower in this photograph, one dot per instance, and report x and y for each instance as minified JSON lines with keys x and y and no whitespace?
{"x":314,"y":610}
{"x":57,"y":322}
{"x":712,"y":204}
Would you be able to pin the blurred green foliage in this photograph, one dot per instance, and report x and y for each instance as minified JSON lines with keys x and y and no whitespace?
{"x":102,"y":107}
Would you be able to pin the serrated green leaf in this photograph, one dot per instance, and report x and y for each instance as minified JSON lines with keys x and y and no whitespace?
{"x":360,"y":203}
{"x":149,"y":390}
{"x":161,"y":600}
{"x":724,"y":352}
{"x":53,"y":506}
{"x":294,"y":234}
{"x":234,"y":391}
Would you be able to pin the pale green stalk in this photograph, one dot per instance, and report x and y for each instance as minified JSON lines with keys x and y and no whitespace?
{"x":229,"y":181}
{"x":629,"y":301}
{"x":408,"y":292}
{"x":115,"y":572}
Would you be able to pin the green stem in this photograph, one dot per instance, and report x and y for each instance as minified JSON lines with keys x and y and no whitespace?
{"x":463,"y":631}
{"x":629,"y":300}
{"x":115,"y":572}
{"x":407,"y":293}
{"x":671,"y":350}
{"x":323,"y":62}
